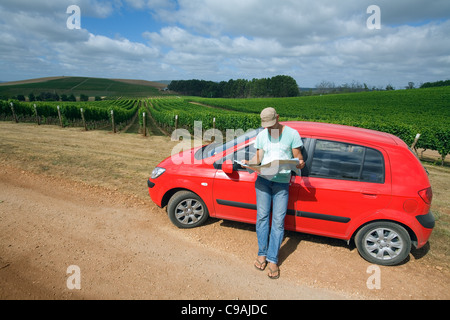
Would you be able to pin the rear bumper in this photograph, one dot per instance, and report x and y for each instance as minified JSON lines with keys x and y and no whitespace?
{"x":426,"y":220}
{"x":426,"y":223}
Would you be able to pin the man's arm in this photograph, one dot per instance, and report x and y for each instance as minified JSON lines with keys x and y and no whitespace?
{"x":297,"y":153}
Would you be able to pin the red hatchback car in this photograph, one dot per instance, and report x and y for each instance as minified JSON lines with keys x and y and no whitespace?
{"x":357,"y":184}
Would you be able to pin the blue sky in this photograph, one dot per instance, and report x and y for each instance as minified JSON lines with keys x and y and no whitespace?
{"x":312,"y":41}
{"x":128,"y":23}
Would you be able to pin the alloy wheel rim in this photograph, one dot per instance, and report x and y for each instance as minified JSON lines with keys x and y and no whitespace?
{"x":189,"y":211}
{"x":383,"y":243}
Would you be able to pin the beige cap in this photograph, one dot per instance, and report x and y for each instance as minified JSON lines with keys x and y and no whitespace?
{"x":268,"y":117}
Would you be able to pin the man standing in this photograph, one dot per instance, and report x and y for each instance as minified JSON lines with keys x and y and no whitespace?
{"x":275,"y":142}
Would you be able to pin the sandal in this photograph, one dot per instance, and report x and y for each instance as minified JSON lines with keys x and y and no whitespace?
{"x":272,"y":272}
{"x":260,"y":265}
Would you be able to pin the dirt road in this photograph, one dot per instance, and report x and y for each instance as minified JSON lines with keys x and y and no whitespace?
{"x":124,"y":251}
{"x":126,"y":248}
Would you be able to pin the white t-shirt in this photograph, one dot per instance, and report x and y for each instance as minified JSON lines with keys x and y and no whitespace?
{"x":278,"y":149}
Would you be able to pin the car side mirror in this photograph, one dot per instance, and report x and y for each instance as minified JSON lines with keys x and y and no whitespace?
{"x":227,"y":166}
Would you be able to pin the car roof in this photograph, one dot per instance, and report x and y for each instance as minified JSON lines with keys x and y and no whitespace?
{"x":337,"y":131}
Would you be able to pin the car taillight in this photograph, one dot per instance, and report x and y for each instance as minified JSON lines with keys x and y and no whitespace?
{"x":426,"y":195}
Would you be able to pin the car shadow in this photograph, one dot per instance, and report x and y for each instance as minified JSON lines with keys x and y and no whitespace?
{"x":422,"y":252}
{"x":294,"y":238}
{"x":291,"y":238}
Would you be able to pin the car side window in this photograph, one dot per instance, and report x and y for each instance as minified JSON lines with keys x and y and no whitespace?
{"x":338,"y":160}
{"x":245,"y":153}
{"x":373,"y":169}
{"x":248,"y":152}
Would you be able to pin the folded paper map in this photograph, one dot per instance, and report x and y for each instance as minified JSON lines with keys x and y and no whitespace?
{"x":270,"y":169}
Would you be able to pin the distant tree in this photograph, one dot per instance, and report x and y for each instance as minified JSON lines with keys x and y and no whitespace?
{"x":31,"y":97}
{"x":284,"y":86}
{"x":389,"y":87}
{"x":71,"y":98}
{"x":84,"y":97}
{"x":64,"y":97}
{"x":410,"y":85}
{"x":41,"y":96}
{"x":325,"y":87}
{"x":98,"y":98}
{"x":47,"y":96}
{"x":20,"y":97}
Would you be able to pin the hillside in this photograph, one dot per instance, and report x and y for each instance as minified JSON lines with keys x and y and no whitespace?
{"x":82,"y":85}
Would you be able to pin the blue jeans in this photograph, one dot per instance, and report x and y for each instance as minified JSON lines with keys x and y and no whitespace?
{"x":269,"y":238}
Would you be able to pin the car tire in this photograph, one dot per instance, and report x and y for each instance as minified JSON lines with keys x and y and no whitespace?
{"x":187,"y":210}
{"x":383,"y":243}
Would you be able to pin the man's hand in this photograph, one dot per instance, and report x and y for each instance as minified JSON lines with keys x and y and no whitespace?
{"x":301,"y":164}
{"x":297,"y":153}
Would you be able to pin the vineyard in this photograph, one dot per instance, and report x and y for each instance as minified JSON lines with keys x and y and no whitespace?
{"x":172,"y":113}
{"x":92,"y":115}
{"x":403,"y":113}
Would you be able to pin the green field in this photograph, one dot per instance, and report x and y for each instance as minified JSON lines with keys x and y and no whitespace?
{"x":422,"y":107}
{"x":82,"y":85}
{"x":403,"y":113}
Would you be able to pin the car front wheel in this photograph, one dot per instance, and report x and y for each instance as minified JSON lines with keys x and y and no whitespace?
{"x":187,"y":210}
{"x":383,"y":243}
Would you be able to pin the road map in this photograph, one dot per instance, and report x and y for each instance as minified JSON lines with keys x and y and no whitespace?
{"x":269,"y":170}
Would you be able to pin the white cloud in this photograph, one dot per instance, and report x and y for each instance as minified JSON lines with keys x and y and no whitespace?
{"x":220,"y":40}
{"x":38,"y":43}
{"x":151,"y":4}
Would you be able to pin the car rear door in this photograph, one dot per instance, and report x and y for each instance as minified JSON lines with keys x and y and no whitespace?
{"x":346,"y":182}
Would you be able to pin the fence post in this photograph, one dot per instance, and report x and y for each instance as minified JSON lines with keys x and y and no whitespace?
{"x":176,"y":122}
{"x":145,"y":124}
{"x":59,"y":116}
{"x":413,"y":146}
{"x":13,"y":112}
{"x":113,"y":123}
{"x":82,"y":117}
{"x":38,"y":120}
{"x":214,"y":130}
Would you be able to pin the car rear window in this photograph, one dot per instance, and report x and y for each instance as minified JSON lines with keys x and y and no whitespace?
{"x":339,"y":160}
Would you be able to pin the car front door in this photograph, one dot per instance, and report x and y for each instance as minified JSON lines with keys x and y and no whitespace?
{"x":234,"y":193}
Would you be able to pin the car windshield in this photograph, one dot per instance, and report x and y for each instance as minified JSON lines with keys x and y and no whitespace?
{"x":217,"y":147}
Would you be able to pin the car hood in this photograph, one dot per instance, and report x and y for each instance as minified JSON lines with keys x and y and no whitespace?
{"x":181,"y":159}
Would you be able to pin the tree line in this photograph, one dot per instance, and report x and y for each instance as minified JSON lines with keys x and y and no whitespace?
{"x":278,"y":86}
{"x":441,"y":83}
{"x":50,"y":96}
{"x":325,"y":87}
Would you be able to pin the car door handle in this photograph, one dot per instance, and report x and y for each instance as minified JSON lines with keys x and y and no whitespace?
{"x":369,"y":194}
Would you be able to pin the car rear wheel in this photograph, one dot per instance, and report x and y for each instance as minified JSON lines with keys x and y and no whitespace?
{"x":383,"y":243}
{"x":187,"y":210}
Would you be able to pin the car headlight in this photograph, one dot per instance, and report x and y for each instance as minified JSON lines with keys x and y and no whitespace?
{"x":157,"y":172}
